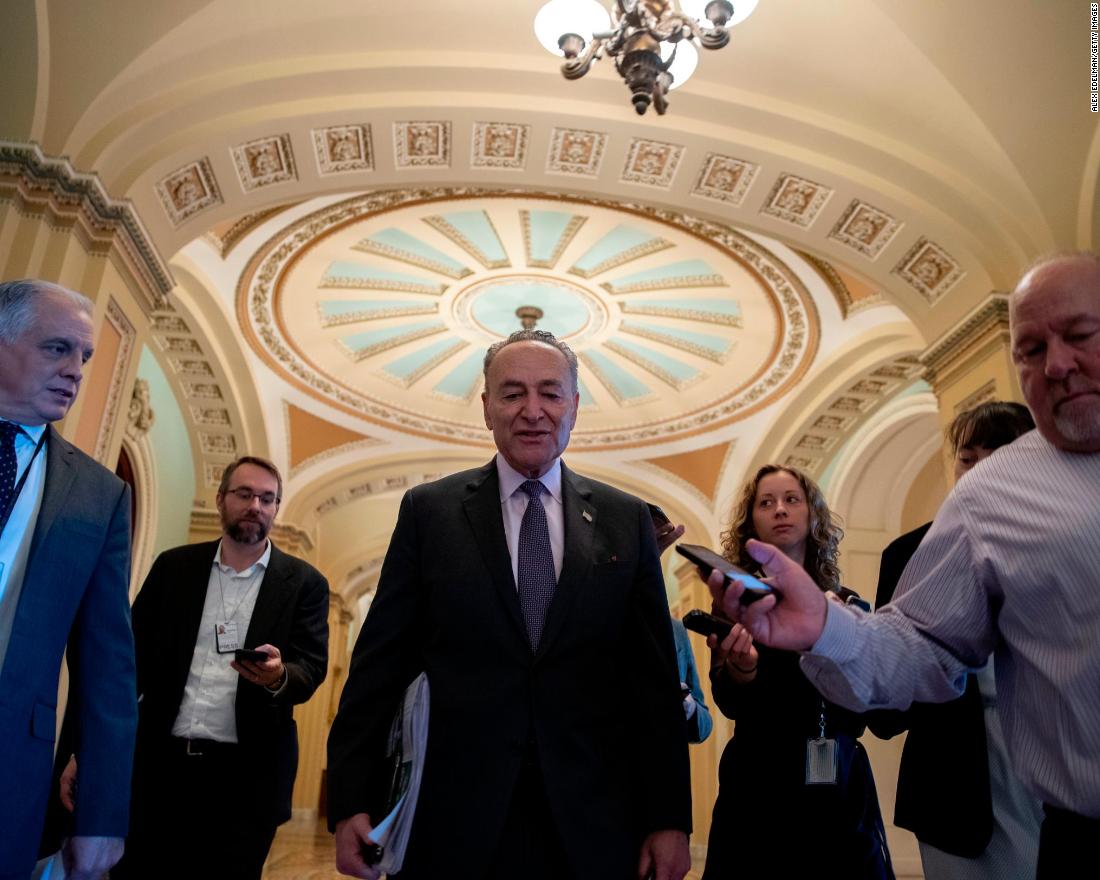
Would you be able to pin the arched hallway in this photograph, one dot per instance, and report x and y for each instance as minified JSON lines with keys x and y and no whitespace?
{"x":301,"y":226}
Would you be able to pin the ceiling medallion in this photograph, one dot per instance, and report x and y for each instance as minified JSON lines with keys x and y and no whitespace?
{"x":653,"y":42}
{"x":382,"y":306}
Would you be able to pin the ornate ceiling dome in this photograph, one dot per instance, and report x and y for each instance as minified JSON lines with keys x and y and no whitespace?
{"x":384,"y":305}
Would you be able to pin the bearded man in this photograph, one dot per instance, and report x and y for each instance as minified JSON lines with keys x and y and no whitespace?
{"x":217,"y":748}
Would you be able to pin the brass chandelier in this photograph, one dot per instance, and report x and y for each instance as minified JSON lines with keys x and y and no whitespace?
{"x":651,"y":41}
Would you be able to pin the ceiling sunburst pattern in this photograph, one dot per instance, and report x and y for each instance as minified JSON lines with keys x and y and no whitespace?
{"x":384,"y":305}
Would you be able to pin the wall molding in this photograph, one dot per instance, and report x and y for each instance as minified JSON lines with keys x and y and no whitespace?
{"x":38,"y":184}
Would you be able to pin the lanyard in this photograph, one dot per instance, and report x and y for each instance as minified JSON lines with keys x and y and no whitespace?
{"x":5,"y":514}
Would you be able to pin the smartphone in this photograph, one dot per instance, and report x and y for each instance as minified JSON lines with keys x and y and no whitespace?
{"x":249,"y":654}
{"x":707,"y":624}
{"x":707,"y":559}
{"x":658,"y":516}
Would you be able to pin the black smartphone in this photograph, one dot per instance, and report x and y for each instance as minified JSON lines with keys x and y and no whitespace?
{"x":249,"y":654}
{"x":707,"y":559}
{"x":658,"y":516}
{"x":707,"y":624}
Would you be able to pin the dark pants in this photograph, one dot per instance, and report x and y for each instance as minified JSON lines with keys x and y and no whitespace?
{"x":1067,"y":844}
{"x":530,"y":847}
{"x":193,"y":817}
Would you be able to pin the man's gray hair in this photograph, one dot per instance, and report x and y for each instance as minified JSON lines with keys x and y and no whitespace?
{"x":544,"y":336}
{"x":19,"y":303}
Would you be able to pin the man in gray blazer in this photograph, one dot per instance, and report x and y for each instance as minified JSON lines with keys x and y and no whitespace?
{"x":533,"y":599}
{"x":64,"y":572}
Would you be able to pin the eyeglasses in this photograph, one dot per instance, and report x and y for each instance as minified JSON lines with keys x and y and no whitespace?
{"x":246,"y":495}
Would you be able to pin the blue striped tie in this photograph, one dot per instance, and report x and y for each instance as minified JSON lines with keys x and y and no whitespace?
{"x":536,"y":564}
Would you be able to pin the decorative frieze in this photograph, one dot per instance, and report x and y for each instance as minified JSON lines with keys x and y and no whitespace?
{"x":342,"y":148}
{"x":724,"y":178}
{"x":796,"y":200}
{"x":188,"y":190}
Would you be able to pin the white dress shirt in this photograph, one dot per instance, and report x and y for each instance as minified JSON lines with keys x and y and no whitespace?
{"x":208,"y":708}
{"x":15,"y":542}
{"x":513,"y":503}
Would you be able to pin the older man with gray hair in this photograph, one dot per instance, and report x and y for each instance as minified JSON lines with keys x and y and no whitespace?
{"x":64,"y":573}
{"x":1009,"y":567}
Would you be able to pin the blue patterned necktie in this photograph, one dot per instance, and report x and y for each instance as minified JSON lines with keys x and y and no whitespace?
{"x":536,"y":563}
{"x":8,"y":464}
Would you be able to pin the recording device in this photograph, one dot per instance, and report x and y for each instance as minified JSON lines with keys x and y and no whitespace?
{"x":658,"y":516}
{"x":851,"y":597}
{"x":707,"y":559}
{"x":707,"y":624}
{"x":249,"y":654}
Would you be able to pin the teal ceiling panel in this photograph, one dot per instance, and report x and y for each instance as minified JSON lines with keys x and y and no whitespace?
{"x":346,"y":274}
{"x":370,"y":342}
{"x":623,"y":385}
{"x":411,"y":367}
{"x":710,"y":311}
{"x":546,"y":234}
{"x":461,"y":382}
{"x":685,"y":273}
{"x":621,"y":245}
{"x":400,"y":245}
{"x":668,"y":369}
{"x":334,"y":312}
{"x":474,"y":232}
{"x":713,"y":348}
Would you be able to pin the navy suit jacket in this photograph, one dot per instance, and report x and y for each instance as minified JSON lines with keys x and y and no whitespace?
{"x":75,"y":594}
{"x":291,"y":613}
{"x":597,"y":705}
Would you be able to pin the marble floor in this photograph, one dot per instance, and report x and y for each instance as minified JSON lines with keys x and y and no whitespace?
{"x":303,"y":850}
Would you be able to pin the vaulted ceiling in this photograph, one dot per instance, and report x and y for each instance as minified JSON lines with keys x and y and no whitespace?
{"x":354,"y":200}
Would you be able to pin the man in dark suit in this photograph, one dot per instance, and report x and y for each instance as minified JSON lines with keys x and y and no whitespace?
{"x":64,"y":574}
{"x":217,"y":746}
{"x":533,"y":599}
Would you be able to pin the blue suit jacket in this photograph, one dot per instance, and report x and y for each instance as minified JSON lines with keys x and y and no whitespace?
{"x":75,"y":595}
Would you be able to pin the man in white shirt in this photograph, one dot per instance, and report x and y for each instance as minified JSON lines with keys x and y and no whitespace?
{"x":217,"y":746}
{"x":64,"y":575}
{"x":1008,"y":567}
{"x":533,"y":599}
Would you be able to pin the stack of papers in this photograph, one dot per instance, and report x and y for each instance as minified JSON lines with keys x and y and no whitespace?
{"x":407,"y":748}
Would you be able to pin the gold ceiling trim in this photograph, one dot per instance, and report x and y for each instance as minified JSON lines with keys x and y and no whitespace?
{"x":793,"y":351}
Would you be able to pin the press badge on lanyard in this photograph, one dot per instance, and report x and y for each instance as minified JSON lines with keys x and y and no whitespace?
{"x":821,"y":757}
{"x":226,"y":637}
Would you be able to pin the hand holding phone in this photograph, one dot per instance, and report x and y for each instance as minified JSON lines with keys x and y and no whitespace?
{"x":708,"y":560}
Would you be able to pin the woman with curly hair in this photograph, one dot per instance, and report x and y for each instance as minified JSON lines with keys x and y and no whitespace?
{"x":794,"y":761}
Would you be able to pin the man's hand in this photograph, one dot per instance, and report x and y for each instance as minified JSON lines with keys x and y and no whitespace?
{"x":268,"y":674}
{"x":89,"y":858}
{"x":68,"y":785}
{"x":665,"y":856}
{"x":351,"y":837}
{"x":667,"y":534}
{"x":792,"y":619}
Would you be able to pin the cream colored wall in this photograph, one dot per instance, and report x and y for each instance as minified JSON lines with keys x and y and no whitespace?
{"x":925,"y":495}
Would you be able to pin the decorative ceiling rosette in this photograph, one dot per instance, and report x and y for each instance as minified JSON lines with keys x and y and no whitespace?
{"x":383,"y":305}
